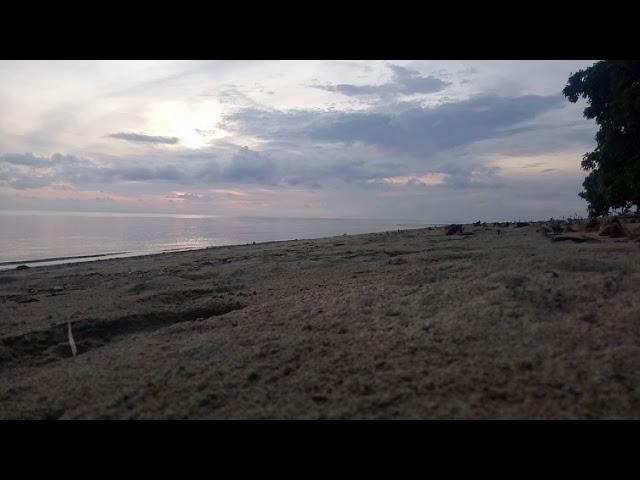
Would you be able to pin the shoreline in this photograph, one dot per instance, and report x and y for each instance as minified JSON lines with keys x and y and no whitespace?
{"x":494,"y":322}
{"x":49,"y":262}
{"x":53,"y":259}
{"x":46,"y":262}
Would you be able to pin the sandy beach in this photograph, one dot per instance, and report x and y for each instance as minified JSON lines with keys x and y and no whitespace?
{"x":526,"y":321}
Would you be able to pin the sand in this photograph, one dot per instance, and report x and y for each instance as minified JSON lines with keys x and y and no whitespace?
{"x":414,"y":324}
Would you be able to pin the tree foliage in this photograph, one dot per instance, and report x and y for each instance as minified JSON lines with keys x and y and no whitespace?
{"x":612,"y":91}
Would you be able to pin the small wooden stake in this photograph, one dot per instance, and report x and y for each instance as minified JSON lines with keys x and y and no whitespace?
{"x":72,"y":343}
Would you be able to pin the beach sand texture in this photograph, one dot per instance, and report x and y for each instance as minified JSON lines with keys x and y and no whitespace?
{"x":413,"y":324}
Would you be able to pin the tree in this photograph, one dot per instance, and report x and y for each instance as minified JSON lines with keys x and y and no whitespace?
{"x":612,"y":91}
{"x":597,"y":204}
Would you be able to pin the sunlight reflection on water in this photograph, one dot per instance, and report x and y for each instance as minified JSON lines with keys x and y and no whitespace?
{"x":28,"y":236}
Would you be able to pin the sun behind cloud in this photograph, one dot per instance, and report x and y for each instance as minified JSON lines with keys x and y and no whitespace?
{"x":196,"y":125}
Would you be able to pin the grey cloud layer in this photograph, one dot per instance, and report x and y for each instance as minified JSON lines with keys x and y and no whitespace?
{"x":404,"y":82}
{"x":26,"y":159}
{"x":232,"y":165}
{"x":71,"y":169}
{"x":310,"y":147}
{"x":141,"y":138}
{"x":405,"y":128}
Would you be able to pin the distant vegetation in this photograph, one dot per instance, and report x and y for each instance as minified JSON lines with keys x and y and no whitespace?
{"x":612,"y":91}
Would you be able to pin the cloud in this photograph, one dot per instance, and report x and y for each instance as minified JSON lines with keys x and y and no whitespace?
{"x":190,"y":196}
{"x":197,"y":196}
{"x":136,"y":173}
{"x":30,"y":171}
{"x":141,"y":138}
{"x":371,"y":138}
{"x":404,"y":82}
{"x":396,"y":149}
{"x":426,"y":131}
{"x":22,"y":181}
{"x":428,"y":179}
{"x":232,"y":165}
{"x":454,"y":141}
{"x":27,"y":159}
{"x":251,"y":166}
{"x":229,"y":192}
{"x":402,"y":128}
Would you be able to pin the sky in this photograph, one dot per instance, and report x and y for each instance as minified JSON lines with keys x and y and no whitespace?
{"x":430,"y":141}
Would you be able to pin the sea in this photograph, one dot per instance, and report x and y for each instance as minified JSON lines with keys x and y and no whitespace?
{"x":36,"y":238}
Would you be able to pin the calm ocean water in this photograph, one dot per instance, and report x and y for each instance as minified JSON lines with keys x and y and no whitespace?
{"x":26,"y":237}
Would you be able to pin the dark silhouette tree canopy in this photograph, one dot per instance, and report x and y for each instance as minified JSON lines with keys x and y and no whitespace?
{"x":612,"y":91}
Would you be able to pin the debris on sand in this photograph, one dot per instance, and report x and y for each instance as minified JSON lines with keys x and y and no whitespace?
{"x":573,"y":238}
{"x":548,"y":230}
{"x":56,"y":290}
{"x":592,"y":225}
{"x":397,"y":261}
{"x":613,"y":229}
{"x":556,"y":227}
{"x":453,"y":229}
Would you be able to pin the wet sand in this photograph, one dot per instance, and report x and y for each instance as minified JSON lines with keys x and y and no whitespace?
{"x":414,"y":324}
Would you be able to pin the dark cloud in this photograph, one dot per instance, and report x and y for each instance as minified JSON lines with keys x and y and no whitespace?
{"x":25,"y":170}
{"x":426,"y":131}
{"x":406,"y":128}
{"x":135,"y":173}
{"x":250,"y":166}
{"x":306,"y":167}
{"x":539,"y":139}
{"x":21,"y":181}
{"x":27,"y":159}
{"x":410,"y":81}
{"x":404,"y":82}
{"x":30,"y":171}
{"x":141,"y":138}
